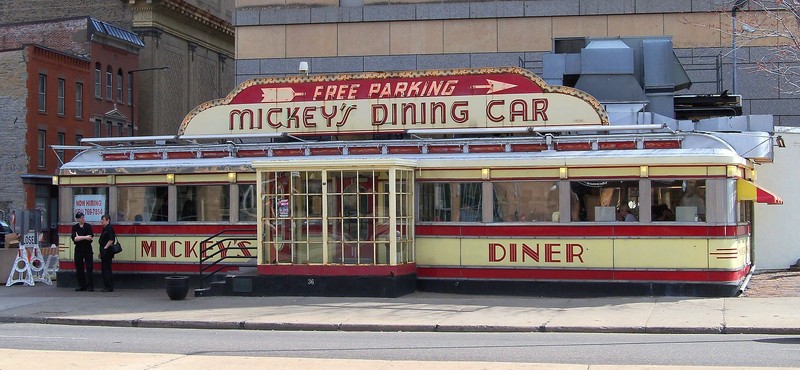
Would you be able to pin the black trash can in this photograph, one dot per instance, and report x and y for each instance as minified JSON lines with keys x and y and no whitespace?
{"x":177,"y":287}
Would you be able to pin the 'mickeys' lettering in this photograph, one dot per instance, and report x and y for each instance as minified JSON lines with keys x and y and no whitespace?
{"x":546,"y":252}
{"x":189,"y":249}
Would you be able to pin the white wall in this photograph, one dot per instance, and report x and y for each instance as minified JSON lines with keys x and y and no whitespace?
{"x":777,"y":227}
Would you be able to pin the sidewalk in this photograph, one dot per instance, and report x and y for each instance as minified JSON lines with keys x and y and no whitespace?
{"x":419,"y":311}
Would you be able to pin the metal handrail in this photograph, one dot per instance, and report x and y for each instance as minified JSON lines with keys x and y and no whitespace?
{"x":217,"y":263}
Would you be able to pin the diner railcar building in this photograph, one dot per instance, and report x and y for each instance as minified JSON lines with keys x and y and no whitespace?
{"x":464,"y":180}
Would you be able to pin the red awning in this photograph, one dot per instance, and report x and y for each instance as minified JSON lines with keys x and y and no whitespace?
{"x":748,"y":190}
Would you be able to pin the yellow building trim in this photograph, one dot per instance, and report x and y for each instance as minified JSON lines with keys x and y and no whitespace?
{"x":437,"y":252}
{"x":661,"y":253}
{"x":201,"y":178}
{"x":83,"y":180}
{"x":678,"y":171}
{"x":604,"y":172}
{"x":721,"y":251}
{"x":141,"y":179}
{"x":472,"y":174}
{"x":546,"y":173}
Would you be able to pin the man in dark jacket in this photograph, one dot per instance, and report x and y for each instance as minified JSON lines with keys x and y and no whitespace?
{"x":82,"y":238}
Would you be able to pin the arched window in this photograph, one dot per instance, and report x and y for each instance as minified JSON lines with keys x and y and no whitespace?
{"x":98,"y":78}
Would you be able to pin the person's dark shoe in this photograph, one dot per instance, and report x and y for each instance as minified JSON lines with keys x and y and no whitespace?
{"x":107,"y":290}
{"x":90,"y":289}
{"x":80,"y":289}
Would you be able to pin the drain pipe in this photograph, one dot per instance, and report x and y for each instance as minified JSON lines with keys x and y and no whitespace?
{"x":746,"y":280}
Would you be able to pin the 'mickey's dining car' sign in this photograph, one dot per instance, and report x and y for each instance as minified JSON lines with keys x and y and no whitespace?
{"x":393,"y":102}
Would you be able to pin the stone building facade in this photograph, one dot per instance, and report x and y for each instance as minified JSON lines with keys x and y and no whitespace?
{"x":274,"y":36}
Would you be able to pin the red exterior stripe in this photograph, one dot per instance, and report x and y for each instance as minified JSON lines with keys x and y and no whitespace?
{"x":338,"y":270}
{"x":181,"y":155}
{"x":365,"y":150}
{"x":581,"y":275}
{"x":438,"y":149}
{"x":609,"y":231}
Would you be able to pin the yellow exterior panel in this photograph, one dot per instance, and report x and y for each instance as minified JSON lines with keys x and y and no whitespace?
{"x":548,"y":173}
{"x":87,"y":180}
{"x":141,"y":179}
{"x":472,"y":174}
{"x":199,"y":178}
{"x":729,"y":254}
{"x":246,"y":177}
{"x":678,"y":171}
{"x":661,"y":253}
{"x":437,"y":252}
{"x":524,"y":252}
{"x":717,"y":170}
{"x":604,"y":172}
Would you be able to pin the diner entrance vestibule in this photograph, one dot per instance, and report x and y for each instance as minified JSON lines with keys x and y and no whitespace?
{"x":343,"y":213}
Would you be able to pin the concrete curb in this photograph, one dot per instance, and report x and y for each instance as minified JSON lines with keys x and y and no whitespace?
{"x":287,"y":326}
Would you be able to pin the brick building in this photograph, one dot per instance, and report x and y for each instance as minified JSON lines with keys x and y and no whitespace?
{"x":67,"y":79}
{"x":194,"y":38}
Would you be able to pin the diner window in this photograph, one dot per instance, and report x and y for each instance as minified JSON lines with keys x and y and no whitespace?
{"x":42,"y":92}
{"x":143,"y":203}
{"x":60,"y":95}
{"x":98,"y":81}
{"x":525,"y":201}
{"x":42,"y":148}
{"x":247,"y":202}
{"x":82,"y":193}
{"x":78,"y":100}
{"x":355,"y":229}
{"x":681,"y":200}
{"x":451,"y":202}
{"x":119,"y":86}
{"x":203,"y":203}
{"x":109,"y":84}
{"x":606,"y":200}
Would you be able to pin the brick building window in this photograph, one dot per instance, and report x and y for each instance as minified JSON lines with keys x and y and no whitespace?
{"x":78,"y":100}
{"x":42,"y":147}
{"x":109,"y":84}
{"x":78,"y":139}
{"x":110,"y":129}
{"x":98,"y":124}
{"x":119,"y":86}
{"x":42,"y":92}
{"x":98,"y":80}
{"x":61,"y":87}
{"x":62,"y":137}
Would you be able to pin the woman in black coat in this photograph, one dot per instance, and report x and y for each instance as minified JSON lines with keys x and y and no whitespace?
{"x":107,"y":239}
